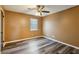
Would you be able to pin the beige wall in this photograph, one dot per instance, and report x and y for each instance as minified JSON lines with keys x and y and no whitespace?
{"x":17,"y":26}
{"x":63,"y":25}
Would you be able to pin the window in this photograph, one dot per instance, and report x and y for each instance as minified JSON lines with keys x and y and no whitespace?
{"x":33,"y":24}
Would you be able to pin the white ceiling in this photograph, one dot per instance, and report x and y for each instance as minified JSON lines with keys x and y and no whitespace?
{"x":24,"y":9}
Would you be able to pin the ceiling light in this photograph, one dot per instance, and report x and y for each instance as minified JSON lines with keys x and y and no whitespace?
{"x":38,"y":14}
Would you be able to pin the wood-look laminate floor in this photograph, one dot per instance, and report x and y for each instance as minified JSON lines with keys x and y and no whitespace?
{"x":38,"y":46}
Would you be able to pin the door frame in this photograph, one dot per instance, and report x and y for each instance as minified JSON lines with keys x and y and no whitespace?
{"x":2,"y":27}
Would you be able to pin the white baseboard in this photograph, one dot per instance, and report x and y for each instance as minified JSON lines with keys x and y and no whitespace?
{"x":21,"y":40}
{"x":61,"y":42}
{"x":45,"y":37}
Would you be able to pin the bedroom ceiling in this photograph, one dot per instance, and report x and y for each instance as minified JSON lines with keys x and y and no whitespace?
{"x":25,"y":9}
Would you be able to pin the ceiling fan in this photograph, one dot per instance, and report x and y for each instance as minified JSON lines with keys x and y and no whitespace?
{"x":40,"y":9}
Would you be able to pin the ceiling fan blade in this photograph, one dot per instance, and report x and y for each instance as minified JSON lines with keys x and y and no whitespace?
{"x":31,"y":8}
{"x":46,"y":11}
{"x":40,"y":6}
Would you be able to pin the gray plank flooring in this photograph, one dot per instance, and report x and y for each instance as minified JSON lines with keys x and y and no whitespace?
{"x":38,"y":46}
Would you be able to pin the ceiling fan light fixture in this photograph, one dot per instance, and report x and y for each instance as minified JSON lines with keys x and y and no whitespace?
{"x":40,"y":9}
{"x":38,"y":14}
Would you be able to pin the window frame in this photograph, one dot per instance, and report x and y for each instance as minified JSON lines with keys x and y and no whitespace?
{"x":36,"y":24}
